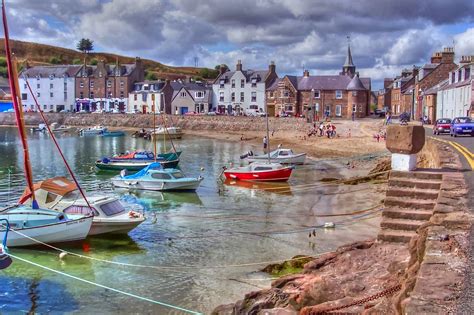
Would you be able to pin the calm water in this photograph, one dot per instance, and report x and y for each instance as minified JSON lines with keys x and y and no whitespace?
{"x":196,"y":235}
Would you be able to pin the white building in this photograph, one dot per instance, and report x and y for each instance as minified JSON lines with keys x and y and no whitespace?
{"x":53,"y":87}
{"x":145,"y":95}
{"x":455,"y":99}
{"x":242,"y":91}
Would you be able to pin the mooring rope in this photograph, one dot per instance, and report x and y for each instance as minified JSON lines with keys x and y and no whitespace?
{"x":106,"y":287}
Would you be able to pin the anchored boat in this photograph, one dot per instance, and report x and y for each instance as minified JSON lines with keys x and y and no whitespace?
{"x":282,"y":156}
{"x":274,"y":172}
{"x":93,"y":131}
{"x":110,"y":216}
{"x":167,"y":133}
{"x":132,"y":165}
{"x":155,"y":177}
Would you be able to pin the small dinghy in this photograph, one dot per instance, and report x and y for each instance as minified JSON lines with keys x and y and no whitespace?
{"x":146,"y":155}
{"x":93,"y":131}
{"x":259,"y":171}
{"x":113,"y":134}
{"x":155,"y":177}
{"x":42,"y":225}
{"x":166,"y":133}
{"x":282,"y":156}
{"x":132,"y":164}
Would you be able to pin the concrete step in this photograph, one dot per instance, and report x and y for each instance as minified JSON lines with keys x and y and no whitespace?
{"x":413,"y":193}
{"x":395,"y":236}
{"x":403,"y":202}
{"x":399,"y":213}
{"x":401,"y":224}
{"x":414,"y":183}
{"x":417,"y":175}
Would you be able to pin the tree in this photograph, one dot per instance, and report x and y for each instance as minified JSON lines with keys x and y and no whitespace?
{"x":77,"y":61}
{"x":208,"y":73}
{"x":55,"y":60}
{"x":94,"y":62}
{"x":218,"y":67}
{"x":151,"y":76}
{"x":85,"y":45}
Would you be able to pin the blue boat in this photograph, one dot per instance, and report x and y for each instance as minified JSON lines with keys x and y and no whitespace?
{"x":155,"y":177}
{"x":113,"y":134}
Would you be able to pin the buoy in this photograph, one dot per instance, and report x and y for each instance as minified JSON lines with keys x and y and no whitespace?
{"x":202,"y":169}
{"x":5,"y":259}
{"x":62,"y":255}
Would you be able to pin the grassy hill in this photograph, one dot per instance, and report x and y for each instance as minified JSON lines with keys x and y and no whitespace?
{"x":41,"y":54}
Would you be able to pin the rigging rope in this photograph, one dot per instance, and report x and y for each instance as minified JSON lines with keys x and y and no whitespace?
{"x":105,"y":287}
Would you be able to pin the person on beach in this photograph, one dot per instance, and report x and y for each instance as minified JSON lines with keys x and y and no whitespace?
{"x":265,"y":143}
{"x":321,"y":129}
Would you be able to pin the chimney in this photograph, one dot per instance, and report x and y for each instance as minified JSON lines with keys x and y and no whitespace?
{"x":447,"y":56}
{"x":272,"y":67}
{"x":306,"y":73}
{"x":238,"y":67}
{"x":466,"y":60}
{"x":222,"y":69}
{"x":436,"y":58}
{"x":415,"y":70}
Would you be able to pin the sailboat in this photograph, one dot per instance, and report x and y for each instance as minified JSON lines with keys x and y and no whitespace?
{"x":261,"y":171}
{"x":29,"y":225}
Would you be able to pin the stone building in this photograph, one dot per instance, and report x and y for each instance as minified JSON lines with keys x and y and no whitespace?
{"x":431,"y":74}
{"x":148,"y":96}
{"x":342,"y":95}
{"x":384,"y":96}
{"x":455,"y":97}
{"x":191,"y":97}
{"x":401,"y":91}
{"x":53,"y":87}
{"x":242,"y":91}
{"x":106,"y":87}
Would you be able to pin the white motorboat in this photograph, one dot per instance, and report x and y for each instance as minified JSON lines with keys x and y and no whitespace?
{"x":93,"y":131}
{"x":55,"y":127}
{"x":155,"y":177}
{"x":282,"y":156}
{"x":110,"y":216}
{"x":28,"y":227}
{"x":167,"y":133}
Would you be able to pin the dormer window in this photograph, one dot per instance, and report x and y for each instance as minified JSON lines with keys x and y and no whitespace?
{"x":51,"y":77}
{"x":222,"y":82}
{"x":183,"y":94}
{"x":254,"y":82}
{"x":199,"y":94}
{"x":37,"y":77}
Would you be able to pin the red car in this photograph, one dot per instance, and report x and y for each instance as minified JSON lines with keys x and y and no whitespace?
{"x":442,"y":125}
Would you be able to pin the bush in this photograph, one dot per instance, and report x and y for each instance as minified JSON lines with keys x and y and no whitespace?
{"x":3,"y":72}
{"x":94,"y":62}
{"x":3,"y":62}
{"x":55,"y":60}
{"x":208,"y":73}
{"x":151,"y":76}
{"x":77,"y":61}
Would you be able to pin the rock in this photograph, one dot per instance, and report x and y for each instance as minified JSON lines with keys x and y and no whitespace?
{"x":405,"y":139}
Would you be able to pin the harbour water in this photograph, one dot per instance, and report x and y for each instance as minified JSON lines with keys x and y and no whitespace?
{"x":205,"y":248}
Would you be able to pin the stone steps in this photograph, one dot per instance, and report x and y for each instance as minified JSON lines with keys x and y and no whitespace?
{"x":409,"y":214}
{"x":417,"y":175}
{"x":414,"y":183}
{"x":403,"y":202}
{"x":401,"y":224}
{"x":397,"y":236}
{"x":413,"y":193}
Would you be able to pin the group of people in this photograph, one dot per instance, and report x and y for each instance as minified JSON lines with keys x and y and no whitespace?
{"x":328,"y":130}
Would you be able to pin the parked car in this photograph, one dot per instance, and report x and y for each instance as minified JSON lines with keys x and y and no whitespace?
{"x":461,"y":126}
{"x":211,"y":113}
{"x":380,"y":112}
{"x":442,"y":125}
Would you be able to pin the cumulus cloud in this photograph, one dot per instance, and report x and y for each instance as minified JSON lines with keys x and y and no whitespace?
{"x":386,"y":35}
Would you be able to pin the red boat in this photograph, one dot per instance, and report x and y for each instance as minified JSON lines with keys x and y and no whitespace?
{"x":274,"y":172}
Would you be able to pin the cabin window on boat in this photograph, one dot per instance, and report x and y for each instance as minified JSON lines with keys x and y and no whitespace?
{"x":160,"y":176}
{"x":112,"y":208}
{"x":50,"y":197}
{"x":81,"y":210}
{"x":178,"y":175}
{"x":262,"y":168}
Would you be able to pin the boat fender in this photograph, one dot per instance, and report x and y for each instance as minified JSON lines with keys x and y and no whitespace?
{"x":5,"y":259}
{"x":105,"y":160}
{"x":133,"y":214}
{"x":123,"y":173}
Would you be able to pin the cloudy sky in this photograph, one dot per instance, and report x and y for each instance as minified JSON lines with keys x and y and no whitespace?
{"x":386,"y":35}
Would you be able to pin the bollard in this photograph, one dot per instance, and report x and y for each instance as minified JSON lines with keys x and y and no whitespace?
{"x":405,"y":142}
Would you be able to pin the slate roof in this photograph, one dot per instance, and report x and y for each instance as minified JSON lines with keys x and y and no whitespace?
{"x":47,"y":71}
{"x":260,"y":75}
{"x":124,"y":70}
{"x":191,"y":88}
{"x":324,"y":82}
{"x":356,"y":84}
{"x":436,"y":88}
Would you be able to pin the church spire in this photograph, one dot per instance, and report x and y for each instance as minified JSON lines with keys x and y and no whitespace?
{"x":349,"y":67}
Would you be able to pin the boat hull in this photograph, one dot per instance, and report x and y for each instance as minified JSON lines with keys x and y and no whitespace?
{"x":161,"y":136}
{"x":67,"y":231}
{"x":279,"y":175}
{"x":296,"y":159}
{"x":133,"y":166}
{"x":188,"y":185}
{"x":113,"y":134}
{"x":110,"y":226}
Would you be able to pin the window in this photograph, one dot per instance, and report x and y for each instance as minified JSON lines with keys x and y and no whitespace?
{"x":51,"y":85}
{"x":328,"y":110}
{"x":51,"y":107}
{"x":316,"y":107}
{"x":270,"y":94}
{"x":338,"y":110}
{"x":317,"y":94}
{"x":25,"y":86}
{"x":112,"y":208}
{"x":45,"y":107}
{"x":65,"y":95}
{"x":221,"y":83}
{"x":100,"y":74}
{"x":221,"y":96}
{"x":254,"y":97}
{"x":161,"y":176}
{"x":262,"y":168}
{"x":354,"y":93}
{"x":177,"y":175}
{"x":232,"y":97}
{"x":285,"y":93}
{"x":24,"y":96}
{"x":152,"y":97}
{"x":81,"y":95}
{"x":354,"y":108}
{"x":92,"y":84}
{"x":122,"y":94}
{"x":38,"y":86}
{"x":92,"y":95}
{"x":65,"y":85}
{"x":288,"y":108}
{"x":253,"y":107}
{"x":254,"y":82}
{"x":199,"y":94}
{"x":109,"y":83}
{"x":80,"y":210}
{"x":183,"y":94}
{"x":242,"y":83}
{"x":110,"y":94}
{"x":233,"y":83}
{"x":135,"y":97}
{"x":338,"y":94}
{"x":38,"y":94}
{"x":51,"y":94}
{"x":81,"y":85}
{"x":242,"y":96}
{"x":122,"y":84}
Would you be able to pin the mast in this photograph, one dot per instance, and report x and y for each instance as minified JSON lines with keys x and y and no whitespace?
{"x":13,"y":80}
{"x":154,"y":129}
{"x":266,"y":118}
